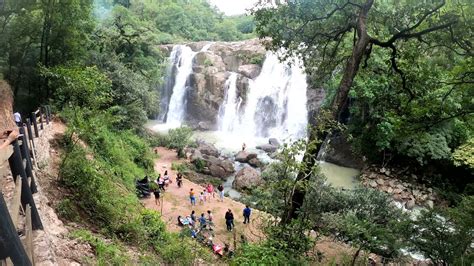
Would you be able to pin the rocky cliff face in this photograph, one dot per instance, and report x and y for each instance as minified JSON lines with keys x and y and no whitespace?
{"x":6,"y":107}
{"x":211,"y":68}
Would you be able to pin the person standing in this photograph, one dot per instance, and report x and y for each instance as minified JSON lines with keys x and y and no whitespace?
{"x":221,"y":192}
{"x":179,"y":179}
{"x":192,"y":197}
{"x":166,"y":178}
{"x":209,"y":215}
{"x":202,"y":221}
{"x":17,"y":117}
{"x":193,"y":216}
{"x":201,"y":198}
{"x":229,"y":220}
{"x":210,"y":190}
{"x":156,"y":192}
{"x":244,"y":146}
{"x":247,"y":212}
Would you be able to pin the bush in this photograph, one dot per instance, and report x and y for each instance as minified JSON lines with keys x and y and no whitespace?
{"x":106,"y":253}
{"x":179,"y":138}
{"x":180,"y":167}
{"x":67,"y":210}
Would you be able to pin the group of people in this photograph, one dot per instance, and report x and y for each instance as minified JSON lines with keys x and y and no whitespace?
{"x":163,"y":182}
{"x":205,"y":195}
{"x":229,"y":217}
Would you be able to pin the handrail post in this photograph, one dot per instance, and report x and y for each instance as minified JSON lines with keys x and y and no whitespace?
{"x":46,"y":114}
{"x":41,"y":118}
{"x":16,"y":165}
{"x":25,"y":153}
{"x":10,"y":243}
{"x":35,"y":124}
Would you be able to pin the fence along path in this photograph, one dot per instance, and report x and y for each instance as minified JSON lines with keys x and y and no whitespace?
{"x":20,"y":217}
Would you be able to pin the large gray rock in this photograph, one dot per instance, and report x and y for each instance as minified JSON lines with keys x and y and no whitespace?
{"x":267,"y":148}
{"x":255,"y":162}
{"x":196,"y":155}
{"x":218,"y":167}
{"x":241,"y":157}
{"x":244,"y":157}
{"x":274,"y":142}
{"x":208,"y":149}
{"x":247,"y":178}
{"x":250,"y":71}
{"x":338,"y":151}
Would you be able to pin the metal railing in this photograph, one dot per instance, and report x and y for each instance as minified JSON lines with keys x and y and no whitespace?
{"x":18,"y":152}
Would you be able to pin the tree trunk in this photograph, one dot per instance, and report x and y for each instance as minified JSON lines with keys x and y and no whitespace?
{"x":338,"y":104}
{"x":356,"y":255}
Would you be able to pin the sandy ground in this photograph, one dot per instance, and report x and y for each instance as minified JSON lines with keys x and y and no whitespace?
{"x":175,"y":201}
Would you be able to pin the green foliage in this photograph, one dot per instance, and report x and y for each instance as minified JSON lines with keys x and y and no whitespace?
{"x":78,"y":86}
{"x":66,"y":209}
{"x":107,"y":253}
{"x":179,"y":138}
{"x":410,"y":87}
{"x":199,"y":164}
{"x":180,"y":167}
{"x":464,"y":154}
{"x":445,"y":236}
{"x":264,"y":254}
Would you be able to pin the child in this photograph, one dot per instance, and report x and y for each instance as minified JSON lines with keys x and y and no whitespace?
{"x":201,"y":198}
{"x":166,"y":178}
{"x":192,"y":197}
{"x":206,"y":195}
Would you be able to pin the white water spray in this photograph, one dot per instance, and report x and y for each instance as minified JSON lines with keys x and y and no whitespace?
{"x":276,"y":105}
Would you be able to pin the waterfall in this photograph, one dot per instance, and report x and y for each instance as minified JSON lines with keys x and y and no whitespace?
{"x":176,"y":110}
{"x":276,"y":103}
{"x":182,"y":58}
{"x":228,"y":111}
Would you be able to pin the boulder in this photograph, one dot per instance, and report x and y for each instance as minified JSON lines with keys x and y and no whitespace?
{"x":251,"y":156}
{"x":410,"y":204}
{"x":267,"y":148}
{"x":373,"y":184}
{"x":397,"y":191}
{"x":241,"y":157}
{"x":250,"y":71}
{"x":337,"y":150}
{"x":380,"y":181}
{"x":208,"y":149}
{"x":247,"y":178}
{"x":218,"y":167}
{"x":274,"y":142}
{"x":205,"y":126}
{"x":429,"y":204}
{"x":255,"y":162}
{"x":389,"y":190}
{"x":196,"y":155}
{"x":6,"y":107}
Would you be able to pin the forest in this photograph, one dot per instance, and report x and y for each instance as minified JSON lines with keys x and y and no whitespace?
{"x":398,"y":76}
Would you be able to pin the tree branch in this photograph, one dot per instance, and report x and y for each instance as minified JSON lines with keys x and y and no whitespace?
{"x":393,"y":60}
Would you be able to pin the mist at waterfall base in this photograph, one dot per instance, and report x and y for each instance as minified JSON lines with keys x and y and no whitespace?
{"x":276,"y":107}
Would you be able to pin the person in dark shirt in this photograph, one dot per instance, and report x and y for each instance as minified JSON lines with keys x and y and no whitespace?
{"x":221,"y":192}
{"x":202,"y":221}
{"x":229,"y":220}
{"x":247,"y":212}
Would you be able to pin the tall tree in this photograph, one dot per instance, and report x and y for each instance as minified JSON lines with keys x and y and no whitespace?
{"x":338,"y":36}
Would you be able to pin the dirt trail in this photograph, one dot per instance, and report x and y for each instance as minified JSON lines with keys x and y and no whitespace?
{"x":175,"y":202}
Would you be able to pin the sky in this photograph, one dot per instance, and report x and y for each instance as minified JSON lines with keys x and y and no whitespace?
{"x":233,"y":7}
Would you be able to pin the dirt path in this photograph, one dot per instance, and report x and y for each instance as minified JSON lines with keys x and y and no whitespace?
{"x":176,"y":202}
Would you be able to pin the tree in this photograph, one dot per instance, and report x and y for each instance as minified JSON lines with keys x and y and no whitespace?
{"x":339,"y":36}
{"x":179,"y":138}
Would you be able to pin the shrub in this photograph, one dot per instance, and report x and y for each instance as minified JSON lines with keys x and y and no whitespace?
{"x":67,"y":210}
{"x":180,"y":167}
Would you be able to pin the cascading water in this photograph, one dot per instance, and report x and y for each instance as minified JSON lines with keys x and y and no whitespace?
{"x":183,"y":57}
{"x":177,"y":101}
{"x":228,"y":111}
{"x":276,"y":103}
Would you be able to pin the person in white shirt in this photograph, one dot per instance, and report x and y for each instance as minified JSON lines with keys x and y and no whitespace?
{"x":17,"y":117}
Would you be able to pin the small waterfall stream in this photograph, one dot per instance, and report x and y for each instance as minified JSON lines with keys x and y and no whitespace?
{"x":228,"y":111}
